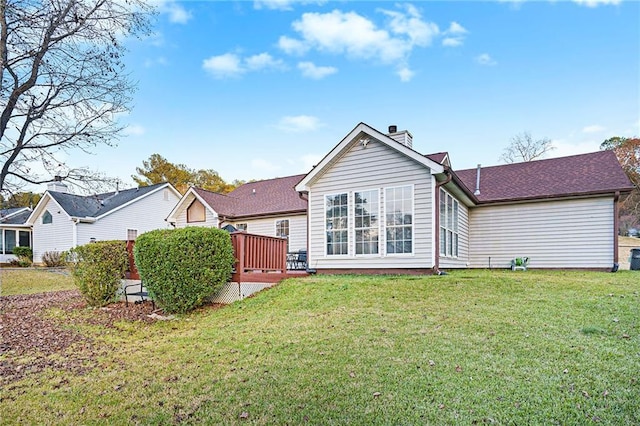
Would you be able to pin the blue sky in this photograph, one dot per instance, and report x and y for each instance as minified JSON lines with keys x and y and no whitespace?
{"x":263,"y":89}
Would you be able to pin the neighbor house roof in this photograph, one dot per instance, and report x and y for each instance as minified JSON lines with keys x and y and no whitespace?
{"x":260,"y":198}
{"x":585,"y":174}
{"x":14,"y":216}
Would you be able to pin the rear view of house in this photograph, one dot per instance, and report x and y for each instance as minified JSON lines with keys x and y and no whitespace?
{"x":62,"y":220}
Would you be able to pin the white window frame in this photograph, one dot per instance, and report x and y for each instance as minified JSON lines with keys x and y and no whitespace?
{"x":324,"y":224}
{"x":277,"y":230}
{"x":127,"y":233}
{"x":46,"y":212}
{"x":449,"y":229}
{"x":413,"y":219}
{"x":378,"y":213}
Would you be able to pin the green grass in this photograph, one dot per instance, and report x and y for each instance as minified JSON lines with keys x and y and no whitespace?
{"x":471,"y":347}
{"x":29,"y":281}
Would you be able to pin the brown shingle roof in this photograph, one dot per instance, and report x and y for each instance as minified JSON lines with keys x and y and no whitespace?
{"x":437,"y":157}
{"x":595,"y":173}
{"x":265,"y":197}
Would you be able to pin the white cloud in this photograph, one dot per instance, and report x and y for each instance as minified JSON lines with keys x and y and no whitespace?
{"x":263,"y":61}
{"x":261,"y":164}
{"x":595,"y":128}
{"x":596,"y":3}
{"x":222,"y":66}
{"x":135,"y":130}
{"x":281,"y":4}
{"x":152,"y":62}
{"x":176,"y":12}
{"x":310,"y":70}
{"x":564,"y":148}
{"x":485,"y":59}
{"x":454,"y":35}
{"x":405,"y":74}
{"x":410,"y":23}
{"x":298,"y":124}
{"x":291,"y":46}
{"x":232,"y":65}
{"x":452,"y":41}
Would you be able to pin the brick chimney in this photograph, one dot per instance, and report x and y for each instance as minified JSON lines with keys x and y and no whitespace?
{"x":402,"y":136}
{"x":57,"y":185}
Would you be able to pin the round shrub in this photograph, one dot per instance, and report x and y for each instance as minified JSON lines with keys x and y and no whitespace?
{"x":181,"y":268}
{"x":97,"y":270}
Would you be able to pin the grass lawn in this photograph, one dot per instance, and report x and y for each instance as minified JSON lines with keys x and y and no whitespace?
{"x":471,"y":347}
{"x":29,"y":281}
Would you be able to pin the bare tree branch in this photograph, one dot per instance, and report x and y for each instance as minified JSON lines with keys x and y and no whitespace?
{"x":524,"y":148}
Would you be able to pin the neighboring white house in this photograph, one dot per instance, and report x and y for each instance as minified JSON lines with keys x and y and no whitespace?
{"x":376,"y":204}
{"x":13,"y":231}
{"x":269,"y":207}
{"x":62,"y":220}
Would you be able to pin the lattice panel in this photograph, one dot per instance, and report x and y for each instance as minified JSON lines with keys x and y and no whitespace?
{"x":231,"y":293}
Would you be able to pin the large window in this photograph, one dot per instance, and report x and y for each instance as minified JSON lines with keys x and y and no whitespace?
{"x":399,"y":219}
{"x":366,"y":222}
{"x":46,"y":217}
{"x":449,"y":211}
{"x":24,"y":238}
{"x":336,"y":224}
{"x":195,"y":212}
{"x":9,"y":240}
{"x":282,"y":230}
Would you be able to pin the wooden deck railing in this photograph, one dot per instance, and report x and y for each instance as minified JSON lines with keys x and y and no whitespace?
{"x":258,"y":258}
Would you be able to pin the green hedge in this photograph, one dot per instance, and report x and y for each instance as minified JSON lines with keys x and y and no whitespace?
{"x":97,"y":270}
{"x":24,"y":256}
{"x":181,"y":268}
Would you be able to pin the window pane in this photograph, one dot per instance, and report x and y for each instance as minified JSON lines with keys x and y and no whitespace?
{"x":25,"y":239}
{"x":336,"y":224}
{"x":399,"y":214}
{"x":9,"y":241}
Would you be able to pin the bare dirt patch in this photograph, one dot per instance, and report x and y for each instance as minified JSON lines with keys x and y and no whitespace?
{"x":31,"y":340}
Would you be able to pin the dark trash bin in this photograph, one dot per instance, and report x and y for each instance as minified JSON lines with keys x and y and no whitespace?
{"x":635,"y":259}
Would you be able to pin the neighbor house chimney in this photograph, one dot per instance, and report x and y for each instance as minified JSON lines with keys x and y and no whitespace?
{"x":57,"y":185}
{"x":402,"y":136}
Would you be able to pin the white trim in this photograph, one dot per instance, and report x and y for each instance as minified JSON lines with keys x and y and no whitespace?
{"x":42,"y":204}
{"x":324,"y":226}
{"x":353,"y":230}
{"x":329,"y":159}
{"x":175,"y":212}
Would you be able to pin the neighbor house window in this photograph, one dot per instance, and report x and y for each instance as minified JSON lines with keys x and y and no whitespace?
{"x":336,"y":224}
{"x":195,"y":212}
{"x":9,"y":240}
{"x":398,"y":206}
{"x":132,"y":234}
{"x":449,"y":211}
{"x":366,"y":219}
{"x":24,"y":238}
{"x":46,"y":217}
{"x":241,"y":226}
{"x":282,"y":230}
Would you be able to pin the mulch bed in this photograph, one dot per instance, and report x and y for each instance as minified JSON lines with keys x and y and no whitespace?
{"x":31,"y":341}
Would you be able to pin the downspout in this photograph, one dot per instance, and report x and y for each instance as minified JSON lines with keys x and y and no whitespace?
{"x":301,"y":195}
{"x":615,"y":231}
{"x":75,"y":232}
{"x":436,"y":266}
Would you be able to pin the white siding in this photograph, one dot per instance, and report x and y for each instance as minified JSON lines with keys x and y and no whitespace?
{"x":54,"y":236}
{"x":211,"y":220}
{"x":145,"y":214}
{"x":297,"y":229}
{"x":463,"y":241}
{"x":553,"y":234}
{"x":373,"y":167}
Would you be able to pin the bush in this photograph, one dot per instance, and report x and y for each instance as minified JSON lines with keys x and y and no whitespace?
{"x":24,"y":257}
{"x":181,"y":268}
{"x":53,"y":259}
{"x":97,"y":270}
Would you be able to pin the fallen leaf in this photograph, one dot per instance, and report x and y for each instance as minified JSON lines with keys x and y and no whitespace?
{"x":352,"y":374}
{"x":626,"y":336}
{"x":376,"y":394}
{"x":432,"y":362}
{"x":441,"y":406}
{"x":565,"y":371}
{"x":605,"y":393}
{"x":458,"y":368}
{"x":585,"y":394}
{"x":244,"y":415}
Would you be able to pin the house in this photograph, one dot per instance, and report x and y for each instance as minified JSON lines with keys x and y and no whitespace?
{"x":61,"y":220}
{"x":376,"y":204}
{"x":14,"y":231}
{"x":269,"y":207}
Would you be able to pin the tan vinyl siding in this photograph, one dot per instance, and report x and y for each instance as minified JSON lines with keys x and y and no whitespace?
{"x":55,"y":236}
{"x":267,"y":226}
{"x":553,"y":234}
{"x":211,"y":220}
{"x":463,"y":241}
{"x":374,"y":167}
{"x":145,"y":214}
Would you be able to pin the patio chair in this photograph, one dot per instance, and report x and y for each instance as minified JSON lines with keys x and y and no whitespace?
{"x":301,"y":260}
{"x":138,"y":291}
{"x":519,"y":263}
